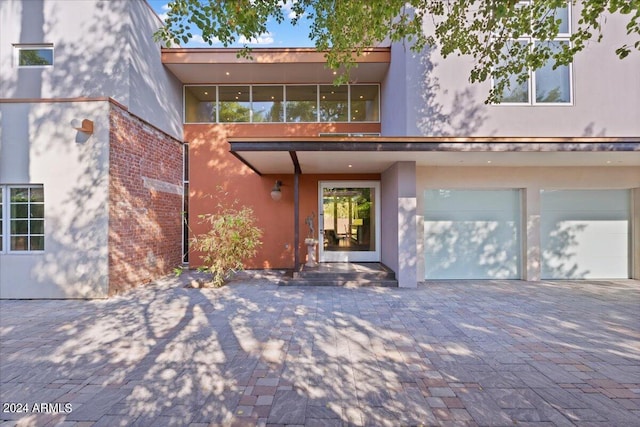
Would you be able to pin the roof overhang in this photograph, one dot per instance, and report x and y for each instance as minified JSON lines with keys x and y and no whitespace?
{"x":326,"y":155}
{"x":268,"y":65}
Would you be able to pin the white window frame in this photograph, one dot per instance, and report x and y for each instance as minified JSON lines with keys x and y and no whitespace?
{"x":5,"y":212}
{"x":17,"y":48}
{"x":531,"y":81}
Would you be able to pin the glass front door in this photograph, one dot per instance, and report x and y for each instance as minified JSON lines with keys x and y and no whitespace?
{"x":349,"y":221}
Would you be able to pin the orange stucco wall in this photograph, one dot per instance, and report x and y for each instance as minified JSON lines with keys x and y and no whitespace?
{"x":212,"y":166}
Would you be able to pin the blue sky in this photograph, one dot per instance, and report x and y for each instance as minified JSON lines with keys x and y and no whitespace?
{"x":278,"y":35}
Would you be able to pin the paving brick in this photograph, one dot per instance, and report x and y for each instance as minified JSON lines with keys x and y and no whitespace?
{"x":473,"y":353}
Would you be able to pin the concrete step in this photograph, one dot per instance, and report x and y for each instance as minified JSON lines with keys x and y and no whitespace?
{"x":356,"y":283}
{"x":343,"y":274}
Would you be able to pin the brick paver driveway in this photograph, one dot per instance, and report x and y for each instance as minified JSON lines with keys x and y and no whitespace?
{"x":463,"y":353}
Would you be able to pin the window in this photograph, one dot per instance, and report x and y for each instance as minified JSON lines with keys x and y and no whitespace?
{"x":22,"y":218}
{"x":34,"y":55}
{"x":235,"y":104}
{"x":334,"y":103}
{"x":200,"y":104}
{"x":302,"y":103}
{"x":281,"y":103}
{"x":544,"y":86}
{"x":1,"y":217}
{"x":365,"y":103}
{"x":268,"y":104}
{"x":185,"y":208}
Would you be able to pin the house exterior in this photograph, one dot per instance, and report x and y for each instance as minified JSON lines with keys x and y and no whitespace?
{"x":86,"y":213}
{"x":405,"y":165}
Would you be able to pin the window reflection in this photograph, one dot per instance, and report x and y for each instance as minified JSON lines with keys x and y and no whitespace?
{"x":334,"y":103}
{"x":234,"y":103}
{"x":268,"y":104}
{"x":302,"y":103}
{"x":280,"y":103}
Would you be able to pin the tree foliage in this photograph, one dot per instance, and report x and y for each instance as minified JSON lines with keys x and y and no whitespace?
{"x":232,"y":238}
{"x":483,"y":29}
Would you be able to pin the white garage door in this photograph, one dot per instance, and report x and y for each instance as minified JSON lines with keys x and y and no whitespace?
{"x":472,"y":234}
{"x":585,"y":234}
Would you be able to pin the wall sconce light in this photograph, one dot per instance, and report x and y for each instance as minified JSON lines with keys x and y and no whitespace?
{"x":84,"y":125}
{"x":276,"y":194}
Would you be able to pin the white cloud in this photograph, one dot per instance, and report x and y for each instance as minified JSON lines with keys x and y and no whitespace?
{"x":287,"y":7}
{"x":265,"y":38}
{"x":165,"y":8}
{"x":198,"y":41}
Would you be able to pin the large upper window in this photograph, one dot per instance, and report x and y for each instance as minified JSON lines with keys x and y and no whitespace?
{"x":234,"y":104}
{"x":33,"y":55}
{"x":334,"y":103}
{"x":278,"y":104}
{"x":545,"y":85}
{"x":22,"y":218}
{"x":302,"y":103}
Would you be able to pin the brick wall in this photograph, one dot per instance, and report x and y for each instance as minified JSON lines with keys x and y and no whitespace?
{"x":145,"y":202}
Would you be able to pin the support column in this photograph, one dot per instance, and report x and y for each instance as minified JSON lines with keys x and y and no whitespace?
{"x":296,"y":221}
{"x":635,"y":233}
{"x":399,"y":222}
{"x":531,"y":262}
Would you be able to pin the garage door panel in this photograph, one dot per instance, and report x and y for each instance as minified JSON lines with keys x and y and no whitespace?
{"x":585,"y":234}
{"x":472,"y":234}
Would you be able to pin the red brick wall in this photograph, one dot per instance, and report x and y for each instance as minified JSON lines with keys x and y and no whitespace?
{"x":145,"y":224}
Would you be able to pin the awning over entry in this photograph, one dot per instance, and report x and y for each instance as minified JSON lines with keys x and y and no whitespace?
{"x":326,"y":155}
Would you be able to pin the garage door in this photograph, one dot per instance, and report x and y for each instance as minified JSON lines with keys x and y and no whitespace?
{"x":472,"y":234}
{"x":585,"y":234}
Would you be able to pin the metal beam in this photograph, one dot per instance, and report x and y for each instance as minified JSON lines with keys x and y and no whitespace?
{"x":296,"y":221}
{"x":496,"y":144}
{"x":249,"y":165}
{"x":296,"y":163}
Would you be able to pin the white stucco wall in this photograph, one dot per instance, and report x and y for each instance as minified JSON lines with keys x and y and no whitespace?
{"x":635,"y":230}
{"x":393,"y":90}
{"x":399,"y":245}
{"x":439,"y":100}
{"x":155,"y":93}
{"x":530,"y":180}
{"x":39,"y":146}
{"x":101,"y":49}
{"x":91,"y":51}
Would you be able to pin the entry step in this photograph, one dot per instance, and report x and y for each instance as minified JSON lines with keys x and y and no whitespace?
{"x":344,"y":274}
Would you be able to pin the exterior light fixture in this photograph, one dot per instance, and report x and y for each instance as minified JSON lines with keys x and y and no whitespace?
{"x":82,"y":125}
{"x":276,"y":194}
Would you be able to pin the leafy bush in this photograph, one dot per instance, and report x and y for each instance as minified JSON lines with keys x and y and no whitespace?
{"x":232,"y":239}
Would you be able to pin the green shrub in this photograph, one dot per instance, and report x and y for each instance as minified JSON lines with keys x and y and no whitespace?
{"x":231,"y":240}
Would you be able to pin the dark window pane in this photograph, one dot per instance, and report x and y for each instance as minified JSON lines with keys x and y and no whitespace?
{"x":19,"y":211}
{"x":37,"y":211}
{"x":20,"y":227}
{"x":186,"y":197}
{"x":37,"y":243}
{"x":37,"y":227}
{"x":19,"y":243}
{"x":186,"y":162}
